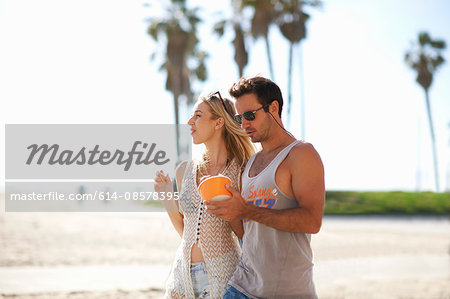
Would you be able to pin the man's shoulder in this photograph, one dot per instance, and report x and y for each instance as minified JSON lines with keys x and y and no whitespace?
{"x":302,"y":151}
{"x":303,"y":147}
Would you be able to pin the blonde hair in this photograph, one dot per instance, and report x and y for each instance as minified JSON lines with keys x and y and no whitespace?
{"x":238,"y":144}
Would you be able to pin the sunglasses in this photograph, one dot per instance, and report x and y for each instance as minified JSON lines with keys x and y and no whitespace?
{"x":220,"y":98}
{"x":249,"y":115}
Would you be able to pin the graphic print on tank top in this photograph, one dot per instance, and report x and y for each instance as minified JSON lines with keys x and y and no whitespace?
{"x":261,"y":197}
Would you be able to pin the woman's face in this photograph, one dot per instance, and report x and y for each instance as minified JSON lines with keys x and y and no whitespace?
{"x":202,"y":124}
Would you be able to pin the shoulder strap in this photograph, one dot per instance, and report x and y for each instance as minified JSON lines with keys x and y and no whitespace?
{"x":188,"y":169}
{"x":284,"y":152}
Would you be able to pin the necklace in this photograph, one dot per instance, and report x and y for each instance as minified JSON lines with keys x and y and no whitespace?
{"x":222,"y":168}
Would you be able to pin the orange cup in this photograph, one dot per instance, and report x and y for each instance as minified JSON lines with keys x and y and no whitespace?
{"x":213,"y":188}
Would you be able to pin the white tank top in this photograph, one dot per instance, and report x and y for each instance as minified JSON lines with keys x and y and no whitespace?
{"x":274,"y":263}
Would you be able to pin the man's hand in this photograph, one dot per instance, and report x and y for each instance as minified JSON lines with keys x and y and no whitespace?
{"x":230,"y":209}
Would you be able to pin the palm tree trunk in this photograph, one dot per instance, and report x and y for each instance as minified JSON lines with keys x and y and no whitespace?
{"x":269,"y":58}
{"x":291,"y":48}
{"x":433,"y":141}
{"x":302,"y":93}
{"x":419,"y":144}
{"x":177,"y":122}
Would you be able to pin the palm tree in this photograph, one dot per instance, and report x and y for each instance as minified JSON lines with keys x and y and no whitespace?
{"x":240,"y":49}
{"x":183,"y":61}
{"x":292,"y":23}
{"x":263,"y":17}
{"x":240,"y":52}
{"x":425,"y":58}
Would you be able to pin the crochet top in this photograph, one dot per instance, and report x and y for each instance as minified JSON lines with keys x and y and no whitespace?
{"x":216,"y":239}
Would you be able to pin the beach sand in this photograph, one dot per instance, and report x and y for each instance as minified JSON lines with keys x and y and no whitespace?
{"x":128,"y":255}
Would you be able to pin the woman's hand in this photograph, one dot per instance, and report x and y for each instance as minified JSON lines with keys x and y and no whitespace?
{"x":163,"y":182}
{"x":163,"y":186}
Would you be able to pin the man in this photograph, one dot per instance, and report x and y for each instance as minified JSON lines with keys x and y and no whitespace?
{"x":281,"y":204}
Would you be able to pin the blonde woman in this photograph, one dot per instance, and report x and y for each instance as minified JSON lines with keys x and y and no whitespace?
{"x":209,"y":249}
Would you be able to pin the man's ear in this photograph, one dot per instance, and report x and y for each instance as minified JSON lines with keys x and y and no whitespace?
{"x":274,"y":107}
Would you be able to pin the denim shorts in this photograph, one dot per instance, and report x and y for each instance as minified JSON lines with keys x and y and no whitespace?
{"x":233,"y":293}
{"x":200,"y":280}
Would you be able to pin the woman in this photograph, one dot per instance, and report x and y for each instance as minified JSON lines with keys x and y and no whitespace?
{"x":209,"y":251}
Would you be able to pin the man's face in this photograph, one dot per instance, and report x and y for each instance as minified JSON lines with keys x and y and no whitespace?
{"x":257,"y":129}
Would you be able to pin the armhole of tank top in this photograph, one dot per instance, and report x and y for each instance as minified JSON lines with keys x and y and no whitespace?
{"x":247,"y":168}
{"x":281,"y":161}
{"x":187,"y":170}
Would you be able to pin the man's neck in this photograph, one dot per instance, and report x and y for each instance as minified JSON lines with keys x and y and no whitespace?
{"x":277,"y":139}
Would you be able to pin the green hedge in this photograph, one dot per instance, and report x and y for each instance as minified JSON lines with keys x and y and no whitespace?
{"x":396,"y":202}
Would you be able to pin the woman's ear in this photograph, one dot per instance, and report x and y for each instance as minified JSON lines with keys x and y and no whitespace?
{"x":219,"y":123}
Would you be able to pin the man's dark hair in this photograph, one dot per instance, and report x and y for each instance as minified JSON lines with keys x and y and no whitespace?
{"x":265,"y":90}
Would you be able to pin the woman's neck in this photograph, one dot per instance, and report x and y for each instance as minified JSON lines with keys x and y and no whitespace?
{"x":216,"y":152}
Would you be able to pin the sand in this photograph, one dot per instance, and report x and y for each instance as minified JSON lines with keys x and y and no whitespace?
{"x":128,"y":255}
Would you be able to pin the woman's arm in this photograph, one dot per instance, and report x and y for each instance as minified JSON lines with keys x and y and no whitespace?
{"x":164,"y":184}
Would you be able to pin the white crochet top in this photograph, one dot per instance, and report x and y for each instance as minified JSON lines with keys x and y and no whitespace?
{"x":217,"y":241}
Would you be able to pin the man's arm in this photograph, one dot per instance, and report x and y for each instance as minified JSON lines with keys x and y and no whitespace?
{"x":308,"y":188}
{"x":237,"y":227}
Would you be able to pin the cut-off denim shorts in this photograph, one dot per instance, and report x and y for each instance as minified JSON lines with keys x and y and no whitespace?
{"x":233,"y":293}
{"x":200,"y":281}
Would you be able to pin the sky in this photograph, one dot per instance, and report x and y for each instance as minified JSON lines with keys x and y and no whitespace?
{"x":88,"y":61}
